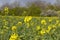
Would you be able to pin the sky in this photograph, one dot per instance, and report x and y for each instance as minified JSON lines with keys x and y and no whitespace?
{"x":51,"y":1}
{"x":22,"y":2}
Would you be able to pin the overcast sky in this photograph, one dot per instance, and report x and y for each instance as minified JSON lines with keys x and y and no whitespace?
{"x":22,"y":2}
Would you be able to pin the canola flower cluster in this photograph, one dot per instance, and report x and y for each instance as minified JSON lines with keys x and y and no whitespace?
{"x":29,"y":28}
{"x":14,"y":36}
{"x":6,"y":10}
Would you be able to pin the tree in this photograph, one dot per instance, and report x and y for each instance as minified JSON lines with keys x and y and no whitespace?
{"x":39,"y":3}
{"x":57,"y":5}
{"x":49,"y":13}
{"x":34,"y":10}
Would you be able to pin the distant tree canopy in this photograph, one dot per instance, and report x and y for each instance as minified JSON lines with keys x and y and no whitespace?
{"x":35,"y":8}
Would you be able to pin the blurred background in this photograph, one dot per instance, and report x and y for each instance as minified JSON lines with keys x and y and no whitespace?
{"x":30,"y":7}
{"x":22,"y":2}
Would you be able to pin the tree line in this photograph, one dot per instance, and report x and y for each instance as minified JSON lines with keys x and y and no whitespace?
{"x":35,"y":8}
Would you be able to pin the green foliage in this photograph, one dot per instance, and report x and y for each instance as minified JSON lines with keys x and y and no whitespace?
{"x":34,"y":10}
{"x":40,"y":28}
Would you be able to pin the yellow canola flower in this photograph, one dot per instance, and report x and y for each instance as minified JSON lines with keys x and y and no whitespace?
{"x":43,"y":31}
{"x":57,"y":21}
{"x":14,"y":28}
{"x":49,"y":27}
{"x":43,"y":22}
{"x":54,"y":26}
{"x":19,"y":23}
{"x":6,"y":9}
{"x":38,"y":27}
{"x":14,"y":36}
{"x":27,"y":19}
{"x":47,"y":31}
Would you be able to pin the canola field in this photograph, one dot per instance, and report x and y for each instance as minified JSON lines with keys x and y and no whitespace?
{"x":29,"y":28}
